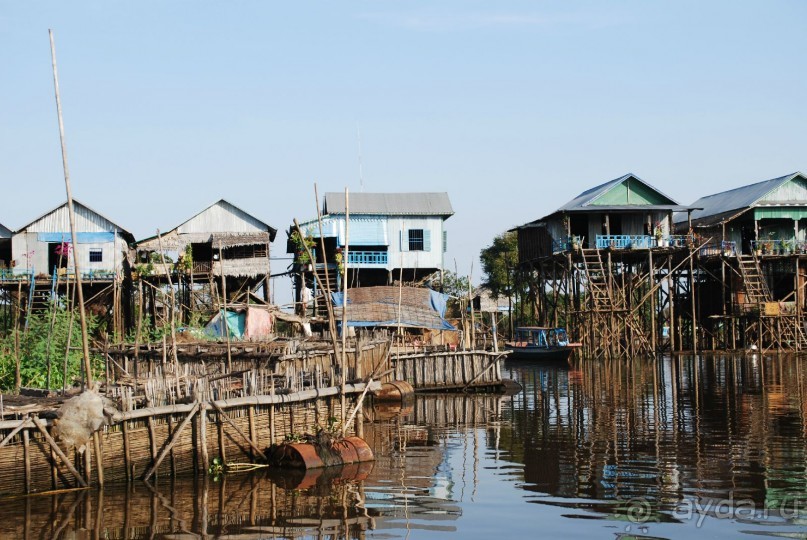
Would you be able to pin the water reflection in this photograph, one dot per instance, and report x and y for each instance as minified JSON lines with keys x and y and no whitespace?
{"x":640,"y":449}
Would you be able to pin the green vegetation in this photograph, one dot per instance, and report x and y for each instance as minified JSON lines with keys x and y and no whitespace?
{"x":33,"y":348}
{"x":499,"y":264}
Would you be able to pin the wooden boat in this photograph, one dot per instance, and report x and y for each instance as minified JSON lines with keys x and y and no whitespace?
{"x":540,"y":343}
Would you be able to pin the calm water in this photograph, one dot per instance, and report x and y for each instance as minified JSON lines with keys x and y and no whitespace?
{"x":676,"y":448}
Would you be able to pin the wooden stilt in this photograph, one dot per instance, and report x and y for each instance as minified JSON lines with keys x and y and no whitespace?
{"x":223,"y":415}
{"x":59,"y":452}
{"x":173,"y":440}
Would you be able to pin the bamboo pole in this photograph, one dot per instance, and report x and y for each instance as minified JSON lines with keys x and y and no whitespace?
{"x":58,"y":451}
{"x":225,"y":322}
{"x":172,"y":441}
{"x":344,"y":311}
{"x":85,"y":349}
{"x":252,"y":443}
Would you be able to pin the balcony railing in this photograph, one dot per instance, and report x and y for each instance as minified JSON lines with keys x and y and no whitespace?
{"x":778,"y":246}
{"x":26,"y":275}
{"x":367,"y":257}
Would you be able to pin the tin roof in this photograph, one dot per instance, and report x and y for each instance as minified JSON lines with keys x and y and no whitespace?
{"x":83,"y":211}
{"x":586,"y":200}
{"x":222,"y":218}
{"x":736,"y":199}
{"x":401,"y":204}
{"x":5,"y":232}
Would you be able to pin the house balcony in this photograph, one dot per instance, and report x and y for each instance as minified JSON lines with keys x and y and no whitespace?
{"x":624,"y":241}
{"x":27,"y":275}
{"x":367,"y":258}
{"x":781,"y":246}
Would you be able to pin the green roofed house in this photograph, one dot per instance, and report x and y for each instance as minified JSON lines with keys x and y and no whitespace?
{"x":626,"y":212}
{"x":768,"y":217}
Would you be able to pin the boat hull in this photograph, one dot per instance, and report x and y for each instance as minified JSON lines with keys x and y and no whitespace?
{"x":540,"y":353}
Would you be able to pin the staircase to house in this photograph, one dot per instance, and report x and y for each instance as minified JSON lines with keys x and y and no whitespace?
{"x":756,"y":287}
{"x":320,"y":306}
{"x":598,"y":280}
{"x":620,"y":329}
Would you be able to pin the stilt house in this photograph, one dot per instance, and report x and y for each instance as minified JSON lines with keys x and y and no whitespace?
{"x":221,"y":239}
{"x":626,"y":212}
{"x":44,"y":245}
{"x":390,"y":234}
{"x":769,"y":217}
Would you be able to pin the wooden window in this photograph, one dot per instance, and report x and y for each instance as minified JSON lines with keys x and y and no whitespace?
{"x":96,"y":255}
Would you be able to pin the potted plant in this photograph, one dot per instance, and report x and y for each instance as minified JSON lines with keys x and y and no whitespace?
{"x":659,"y":234}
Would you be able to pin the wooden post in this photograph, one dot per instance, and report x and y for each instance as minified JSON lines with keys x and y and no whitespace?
{"x":225,"y":322}
{"x":345,"y":260}
{"x":58,"y":451}
{"x":127,"y":451}
{"x":251,"y":442}
{"x":205,"y":459}
{"x":72,"y":215}
{"x":694,"y":313}
{"x":174,"y":438}
{"x":653,"y":314}
{"x":27,"y":456}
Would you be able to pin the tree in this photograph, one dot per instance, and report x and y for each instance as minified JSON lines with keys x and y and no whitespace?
{"x":453,"y":285}
{"x":499,"y":262}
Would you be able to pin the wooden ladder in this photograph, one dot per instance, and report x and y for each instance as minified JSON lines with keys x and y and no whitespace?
{"x":756,"y":287}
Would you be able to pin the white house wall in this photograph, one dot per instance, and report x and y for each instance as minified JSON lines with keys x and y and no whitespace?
{"x":398,"y":228}
{"x":222,"y":218}
{"x":27,"y":252}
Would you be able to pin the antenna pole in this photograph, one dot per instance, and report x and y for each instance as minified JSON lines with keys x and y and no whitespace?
{"x":361,"y":175}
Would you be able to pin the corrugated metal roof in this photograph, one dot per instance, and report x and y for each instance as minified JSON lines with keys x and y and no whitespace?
{"x":736,"y":199}
{"x":205,"y":227}
{"x":582,"y":201}
{"x":5,"y":232}
{"x":390,"y":204}
{"x":84,"y":213}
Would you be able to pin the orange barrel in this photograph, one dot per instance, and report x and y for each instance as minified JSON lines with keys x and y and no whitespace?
{"x":361,"y":450}
{"x":304,"y":455}
{"x":395,"y":391}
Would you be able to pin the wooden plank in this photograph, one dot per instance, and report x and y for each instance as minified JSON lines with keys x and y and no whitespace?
{"x":238,"y":430}
{"x":171,"y":442}
{"x":26,"y":422}
{"x":59,"y":452}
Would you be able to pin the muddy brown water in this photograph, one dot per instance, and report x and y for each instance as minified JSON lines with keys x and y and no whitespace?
{"x":712,"y":446}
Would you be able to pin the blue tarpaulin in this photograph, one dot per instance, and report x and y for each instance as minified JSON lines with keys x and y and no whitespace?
{"x":236,"y":322}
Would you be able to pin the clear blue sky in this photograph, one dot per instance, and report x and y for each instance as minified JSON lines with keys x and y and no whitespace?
{"x":511,"y":107}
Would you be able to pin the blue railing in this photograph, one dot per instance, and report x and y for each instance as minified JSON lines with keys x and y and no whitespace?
{"x":625,"y":241}
{"x":725,"y":247}
{"x":13,"y":274}
{"x":367,"y":257}
{"x":25,"y":274}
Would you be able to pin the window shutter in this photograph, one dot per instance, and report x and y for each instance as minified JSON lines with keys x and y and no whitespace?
{"x":403,"y":235}
{"x":427,"y":240}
